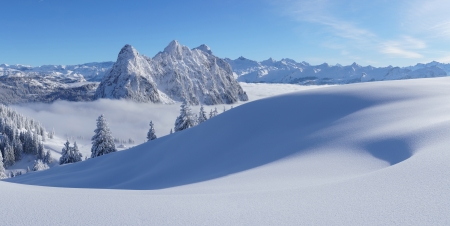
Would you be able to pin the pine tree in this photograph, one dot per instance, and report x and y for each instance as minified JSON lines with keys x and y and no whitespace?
{"x":185,"y":120}
{"x":41,"y":151}
{"x":48,"y":158}
{"x":211,"y":114}
{"x":9,"y":159}
{"x":2,"y":169}
{"x":66,"y":155}
{"x":171,"y":131}
{"x":51,"y":134}
{"x":202,"y":115}
{"x":39,"y":165}
{"x":18,"y":148}
{"x":151,"y":132}
{"x":102,"y":141}
{"x":76,"y":155}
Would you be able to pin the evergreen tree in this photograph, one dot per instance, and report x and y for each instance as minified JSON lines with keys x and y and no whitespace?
{"x":211,"y":114}
{"x":102,"y":141}
{"x":185,"y":120}
{"x":76,"y":155}
{"x":48,"y":157}
{"x":171,"y":131}
{"x":2,"y":169}
{"x":66,"y":155}
{"x":41,"y":151}
{"x":202,"y":115}
{"x":9,"y":158}
{"x":51,"y":134}
{"x":18,"y":148}
{"x":39,"y":165}
{"x":151,"y":132}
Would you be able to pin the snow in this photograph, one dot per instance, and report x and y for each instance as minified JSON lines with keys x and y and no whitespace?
{"x":176,"y":74}
{"x":289,"y":71}
{"x":361,"y":154}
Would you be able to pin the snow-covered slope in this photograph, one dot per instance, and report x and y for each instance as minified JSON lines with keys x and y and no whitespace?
{"x":289,"y":71}
{"x":176,"y":74}
{"x":360,"y":154}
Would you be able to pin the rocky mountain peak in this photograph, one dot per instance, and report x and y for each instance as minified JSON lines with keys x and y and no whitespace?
{"x":128,"y":52}
{"x":174,"y":47}
{"x":204,"y":48}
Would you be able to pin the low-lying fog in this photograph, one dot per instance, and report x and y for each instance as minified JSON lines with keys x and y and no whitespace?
{"x":128,"y":119}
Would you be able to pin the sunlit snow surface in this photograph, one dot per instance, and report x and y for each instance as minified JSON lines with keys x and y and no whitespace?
{"x":362,"y":154}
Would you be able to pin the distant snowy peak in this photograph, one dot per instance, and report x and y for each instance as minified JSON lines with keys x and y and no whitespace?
{"x":194,"y":76}
{"x":89,"y":71}
{"x":289,"y":71}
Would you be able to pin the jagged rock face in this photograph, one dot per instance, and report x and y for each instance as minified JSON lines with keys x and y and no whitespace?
{"x":129,"y":78}
{"x":177,"y":74}
{"x":289,"y":71}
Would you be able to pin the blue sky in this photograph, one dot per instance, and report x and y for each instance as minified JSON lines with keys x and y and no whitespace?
{"x":376,"y":32}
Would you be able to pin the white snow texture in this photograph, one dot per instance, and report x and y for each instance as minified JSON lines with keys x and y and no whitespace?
{"x":360,"y":154}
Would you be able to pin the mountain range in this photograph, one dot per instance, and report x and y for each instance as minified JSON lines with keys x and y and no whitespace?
{"x":178,"y":73}
{"x":290,"y":71}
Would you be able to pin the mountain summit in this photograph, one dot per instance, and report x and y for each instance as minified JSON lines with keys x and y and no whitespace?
{"x":194,"y":76}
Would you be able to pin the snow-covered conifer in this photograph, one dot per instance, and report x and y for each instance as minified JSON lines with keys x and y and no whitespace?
{"x":41,"y":151}
{"x":51,"y":134}
{"x":186,"y":119}
{"x":2,"y":169}
{"x":39,"y":165}
{"x":171,"y":131}
{"x":102,"y":141}
{"x":18,"y":148}
{"x":76,"y":155}
{"x":66,"y":154}
{"x":151,"y":132}
{"x":9,"y":158}
{"x":202,"y":115}
{"x":48,"y":157}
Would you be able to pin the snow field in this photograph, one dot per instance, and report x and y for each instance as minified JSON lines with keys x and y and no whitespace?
{"x":362,"y":154}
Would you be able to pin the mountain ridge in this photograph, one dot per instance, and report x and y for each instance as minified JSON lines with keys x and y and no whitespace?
{"x":289,"y":71}
{"x":178,"y":73}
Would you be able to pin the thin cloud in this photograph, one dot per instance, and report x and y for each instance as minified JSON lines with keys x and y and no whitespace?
{"x":404,"y":48}
{"x":319,"y":12}
{"x":430,"y":17}
{"x":395,"y":51}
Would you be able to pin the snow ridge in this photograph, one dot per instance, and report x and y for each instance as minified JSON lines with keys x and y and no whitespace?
{"x":193,"y":76}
